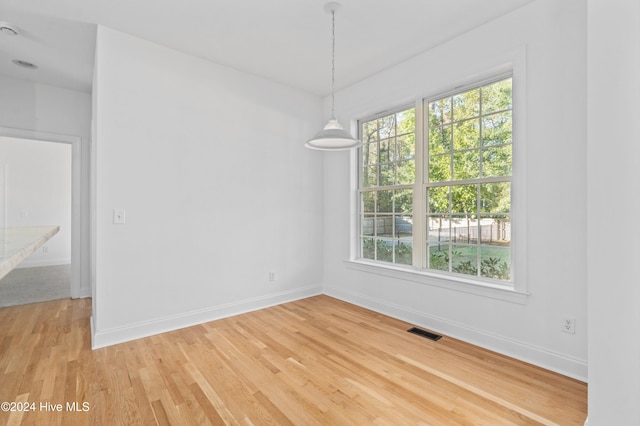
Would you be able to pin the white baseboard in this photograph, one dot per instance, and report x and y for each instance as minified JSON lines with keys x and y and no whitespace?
{"x":102,"y":338}
{"x":549,"y":360}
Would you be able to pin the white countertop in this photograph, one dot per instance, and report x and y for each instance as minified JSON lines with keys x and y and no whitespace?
{"x":16,"y":244}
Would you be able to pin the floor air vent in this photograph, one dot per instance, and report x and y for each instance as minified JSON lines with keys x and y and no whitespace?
{"x":424,"y":333}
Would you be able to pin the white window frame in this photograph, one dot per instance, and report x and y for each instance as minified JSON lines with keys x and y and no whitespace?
{"x":514,"y":291}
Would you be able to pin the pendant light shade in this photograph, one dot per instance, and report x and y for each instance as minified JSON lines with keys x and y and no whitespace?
{"x":333,"y":137}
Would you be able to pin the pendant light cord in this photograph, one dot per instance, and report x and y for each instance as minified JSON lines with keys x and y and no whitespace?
{"x":333,"y":64}
{"x":333,"y":137}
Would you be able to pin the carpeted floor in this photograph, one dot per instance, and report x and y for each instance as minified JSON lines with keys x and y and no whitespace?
{"x":32,"y":285}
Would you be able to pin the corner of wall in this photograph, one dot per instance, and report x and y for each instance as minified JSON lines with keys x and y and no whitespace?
{"x":103,"y":338}
{"x":541,"y":357}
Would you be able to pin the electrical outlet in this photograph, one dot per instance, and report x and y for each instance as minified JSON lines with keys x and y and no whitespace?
{"x":272,"y":276}
{"x":45,"y":249}
{"x":568,"y":324}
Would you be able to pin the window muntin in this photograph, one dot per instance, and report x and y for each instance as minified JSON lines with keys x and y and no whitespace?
{"x":465,"y":199}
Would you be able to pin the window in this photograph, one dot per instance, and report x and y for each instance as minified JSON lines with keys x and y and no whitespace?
{"x":453,"y":217}
{"x":387,"y":179}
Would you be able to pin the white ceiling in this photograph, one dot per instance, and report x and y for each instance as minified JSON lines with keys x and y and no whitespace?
{"x":288,"y":41}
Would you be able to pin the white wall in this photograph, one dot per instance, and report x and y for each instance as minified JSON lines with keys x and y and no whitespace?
{"x":210,"y":166}
{"x":38,"y":192}
{"x":57,"y":114}
{"x":613,"y":188}
{"x":553,"y":35}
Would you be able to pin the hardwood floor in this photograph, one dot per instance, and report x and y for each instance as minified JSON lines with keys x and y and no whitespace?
{"x":313,"y":361}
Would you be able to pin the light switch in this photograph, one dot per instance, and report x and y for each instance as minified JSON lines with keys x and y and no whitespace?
{"x":118,"y":216}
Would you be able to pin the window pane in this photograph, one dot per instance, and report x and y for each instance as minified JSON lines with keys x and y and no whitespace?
{"x":466,"y":105}
{"x":404,"y":252}
{"x":387,"y":126}
{"x":403,"y":201}
{"x":439,"y":168}
{"x":495,"y":249}
{"x":464,"y":199}
{"x":496,"y":129}
{"x":497,"y":161}
{"x":403,"y":226}
{"x":368,"y":248}
{"x":369,"y":176}
{"x":466,"y":165}
{"x":384,"y":226}
{"x":440,"y":140}
{"x":438,"y":257}
{"x":496,"y":96}
{"x":368,"y":202}
{"x":464,"y":259}
{"x":466,"y":134}
{"x":496,"y":230}
{"x":464,"y":228}
{"x":406,"y":122}
{"x":369,"y":132}
{"x":406,"y":172}
{"x":440,"y":112}
{"x":387,"y":150}
{"x":495,"y":197}
{"x":385,"y":250}
{"x":367,"y":225}
{"x":406,"y":146}
{"x":384,"y":201}
{"x":439,"y":231}
{"x":438,"y":199}
{"x":370,"y":153}
{"x":387,"y":174}
{"x":495,"y":262}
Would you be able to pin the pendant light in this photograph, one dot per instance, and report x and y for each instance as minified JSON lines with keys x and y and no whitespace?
{"x":333,"y":137}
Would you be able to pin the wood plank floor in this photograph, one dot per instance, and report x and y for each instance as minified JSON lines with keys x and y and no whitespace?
{"x":313,"y":361}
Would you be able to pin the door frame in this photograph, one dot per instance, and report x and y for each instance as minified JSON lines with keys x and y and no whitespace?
{"x":76,"y":196}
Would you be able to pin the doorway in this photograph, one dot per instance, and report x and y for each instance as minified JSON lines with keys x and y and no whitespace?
{"x":72,"y":146}
{"x":36,"y":193}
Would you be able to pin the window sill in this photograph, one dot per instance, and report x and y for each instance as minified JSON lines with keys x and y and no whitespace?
{"x":477,"y":288}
